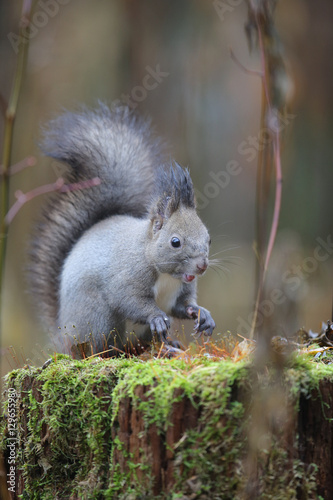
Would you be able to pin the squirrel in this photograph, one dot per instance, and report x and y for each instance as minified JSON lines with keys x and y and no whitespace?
{"x":127,"y":250}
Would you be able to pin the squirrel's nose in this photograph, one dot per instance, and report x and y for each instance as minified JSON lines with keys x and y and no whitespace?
{"x":202,"y":266}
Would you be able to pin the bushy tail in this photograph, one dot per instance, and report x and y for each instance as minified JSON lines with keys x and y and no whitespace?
{"x":113,"y":145}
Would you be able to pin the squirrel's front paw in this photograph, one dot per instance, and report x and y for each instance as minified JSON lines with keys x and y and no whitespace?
{"x":204,"y":323}
{"x":160,"y":324}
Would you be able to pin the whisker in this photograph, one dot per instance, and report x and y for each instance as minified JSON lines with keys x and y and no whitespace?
{"x":215,"y":270}
{"x":232,"y":259}
{"x":223,"y":269}
{"x":226,"y":250}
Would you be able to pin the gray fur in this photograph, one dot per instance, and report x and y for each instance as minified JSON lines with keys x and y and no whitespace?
{"x":115,"y":146}
{"x":94,"y":268}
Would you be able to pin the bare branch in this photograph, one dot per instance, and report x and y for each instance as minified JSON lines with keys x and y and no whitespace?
{"x":59,"y":185}
{"x":29,"y":161}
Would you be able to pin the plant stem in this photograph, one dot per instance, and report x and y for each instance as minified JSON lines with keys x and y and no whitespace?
{"x":266,"y":106}
{"x":260,"y":198}
{"x":8,"y":143}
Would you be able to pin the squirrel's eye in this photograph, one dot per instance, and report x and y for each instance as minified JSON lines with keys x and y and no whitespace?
{"x":175,"y":242}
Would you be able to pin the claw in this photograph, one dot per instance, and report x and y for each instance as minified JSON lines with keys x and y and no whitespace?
{"x":160,"y":325}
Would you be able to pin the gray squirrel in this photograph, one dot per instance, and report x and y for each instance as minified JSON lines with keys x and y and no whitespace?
{"x":127,"y":250}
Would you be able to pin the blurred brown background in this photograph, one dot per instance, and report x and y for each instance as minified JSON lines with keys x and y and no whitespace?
{"x":209,"y":111}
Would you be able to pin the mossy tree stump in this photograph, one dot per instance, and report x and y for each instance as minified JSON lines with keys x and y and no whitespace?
{"x":127,"y":428}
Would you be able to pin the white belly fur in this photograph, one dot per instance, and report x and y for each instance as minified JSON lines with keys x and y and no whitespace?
{"x":166,"y":291}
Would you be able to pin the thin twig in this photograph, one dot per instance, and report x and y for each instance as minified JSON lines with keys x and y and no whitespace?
{"x":260,"y":198}
{"x":59,"y":185}
{"x":29,"y":161}
{"x":10,"y":115}
{"x":278,"y":181}
{"x":278,"y":196}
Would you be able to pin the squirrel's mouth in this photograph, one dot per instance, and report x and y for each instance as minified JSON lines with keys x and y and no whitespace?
{"x":187,"y":278}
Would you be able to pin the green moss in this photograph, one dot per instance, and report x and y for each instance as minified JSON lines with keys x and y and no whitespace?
{"x":208,"y":450}
{"x":67,"y":423}
{"x":67,"y":411}
{"x":164,"y":376}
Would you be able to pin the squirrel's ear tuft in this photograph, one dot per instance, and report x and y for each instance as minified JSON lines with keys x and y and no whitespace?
{"x":174,"y":189}
{"x":184,"y":185}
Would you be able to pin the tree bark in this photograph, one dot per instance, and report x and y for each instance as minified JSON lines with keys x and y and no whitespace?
{"x":221,"y":439}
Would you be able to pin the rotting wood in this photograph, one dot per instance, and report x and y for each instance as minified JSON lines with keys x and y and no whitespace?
{"x":187,"y":450}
